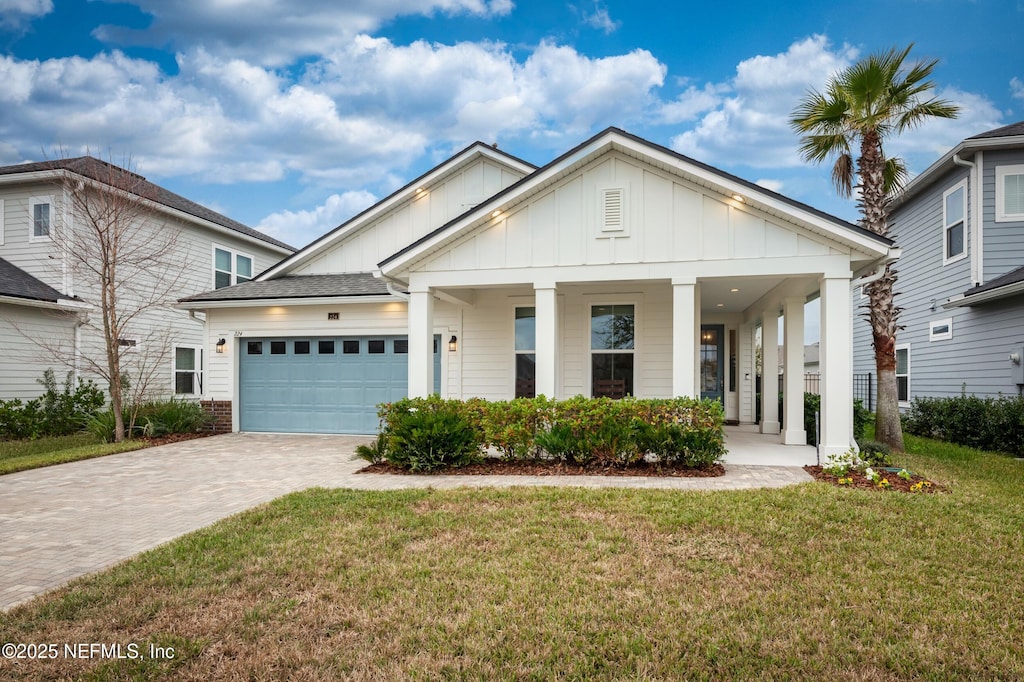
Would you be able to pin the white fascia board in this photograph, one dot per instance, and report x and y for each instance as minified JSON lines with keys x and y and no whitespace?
{"x":60,"y":304}
{"x":962,"y":301}
{"x":388,"y":203}
{"x":263,"y":302}
{"x":54,"y":175}
{"x":945,"y":163}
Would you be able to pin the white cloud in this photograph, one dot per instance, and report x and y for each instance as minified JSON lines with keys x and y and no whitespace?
{"x":278,"y":31}
{"x":1016,"y":88}
{"x":601,"y":19}
{"x":750,"y":118}
{"x":298,"y":228}
{"x":14,"y":14}
{"x":770,"y":184}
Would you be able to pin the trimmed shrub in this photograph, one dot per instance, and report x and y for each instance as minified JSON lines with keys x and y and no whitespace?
{"x":162,"y":417}
{"x":876,"y":454}
{"x":984,"y":423}
{"x":511,"y":426}
{"x":58,"y":412}
{"x":427,"y":433}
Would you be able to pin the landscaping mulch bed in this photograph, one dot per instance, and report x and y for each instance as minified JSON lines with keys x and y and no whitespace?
{"x":175,"y":438}
{"x":500,"y":467}
{"x":858,"y":480}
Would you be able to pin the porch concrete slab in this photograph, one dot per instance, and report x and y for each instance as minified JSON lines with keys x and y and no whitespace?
{"x":747,"y":446}
{"x":61,"y":522}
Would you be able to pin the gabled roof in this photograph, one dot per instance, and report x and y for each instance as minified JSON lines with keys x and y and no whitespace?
{"x":701,"y":173}
{"x":1006,"y":137}
{"x":365,"y":217}
{"x":298,"y":286}
{"x":101,"y":171}
{"x":17,"y":283}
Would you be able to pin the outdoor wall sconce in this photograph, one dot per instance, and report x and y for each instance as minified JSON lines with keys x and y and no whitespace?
{"x":220,"y":345}
{"x":453,"y":343}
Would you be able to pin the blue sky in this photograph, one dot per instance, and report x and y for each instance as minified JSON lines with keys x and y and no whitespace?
{"x":291,"y":117}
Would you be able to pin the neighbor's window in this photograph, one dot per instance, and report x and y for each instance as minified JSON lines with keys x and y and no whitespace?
{"x":526,"y":352}
{"x":940,"y":330}
{"x":954,"y":211}
{"x":1009,"y":193}
{"x":612,"y":342}
{"x":230,"y":267}
{"x":40,"y":211}
{"x":188,"y":370}
{"x":903,"y":373}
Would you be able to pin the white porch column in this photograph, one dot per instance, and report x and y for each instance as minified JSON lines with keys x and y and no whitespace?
{"x":685,"y":315}
{"x":547,"y":339}
{"x":770,"y":371}
{"x":421,"y":343}
{"x":836,"y":366}
{"x":793,"y":418}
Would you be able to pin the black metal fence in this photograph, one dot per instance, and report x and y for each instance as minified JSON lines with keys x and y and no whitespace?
{"x":863,"y":388}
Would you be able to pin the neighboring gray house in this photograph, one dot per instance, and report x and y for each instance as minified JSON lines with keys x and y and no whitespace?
{"x":49,"y":313}
{"x":960,"y":225}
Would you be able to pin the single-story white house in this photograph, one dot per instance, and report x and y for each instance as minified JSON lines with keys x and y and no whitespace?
{"x":619,"y":268}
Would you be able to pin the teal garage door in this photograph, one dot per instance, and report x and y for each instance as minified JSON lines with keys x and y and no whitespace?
{"x":322,"y":384}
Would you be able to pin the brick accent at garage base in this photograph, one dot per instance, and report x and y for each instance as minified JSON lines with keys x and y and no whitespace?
{"x":220,"y":412}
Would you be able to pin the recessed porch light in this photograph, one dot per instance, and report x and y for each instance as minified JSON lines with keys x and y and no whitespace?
{"x":721,"y":305}
{"x":734,"y":290}
{"x":496,"y":213}
{"x":738,"y":198}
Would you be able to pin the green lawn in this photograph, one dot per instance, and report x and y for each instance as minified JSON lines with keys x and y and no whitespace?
{"x":811,"y":582}
{"x":19,"y":455}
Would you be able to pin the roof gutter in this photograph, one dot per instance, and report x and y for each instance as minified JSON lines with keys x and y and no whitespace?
{"x":60,"y":304}
{"x":962,"y":301}
{"x":894,"y":255}
{"x":390,"y":284}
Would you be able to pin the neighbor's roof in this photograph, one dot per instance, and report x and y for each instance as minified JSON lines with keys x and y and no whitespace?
{"x":17,"y":283}
{"x":101,"y":171}
{"x":299,"y":286}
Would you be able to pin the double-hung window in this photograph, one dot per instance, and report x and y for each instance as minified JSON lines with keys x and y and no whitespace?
{"x":188,"y":370}
{"x":526,"y":352}
{"x":1009,"y":193}
{"x":612,"y":345}
{"x":903,"y":373}
{"x":954,"y":224}
{"x":40,"y":215}
{"x":230,"y":267}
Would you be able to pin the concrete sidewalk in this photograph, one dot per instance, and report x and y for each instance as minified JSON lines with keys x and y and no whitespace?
{"x":65,"y":521}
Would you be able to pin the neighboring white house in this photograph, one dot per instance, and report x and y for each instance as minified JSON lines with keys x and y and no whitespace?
{"x":621,"y":267}
{"x":49,"y":313}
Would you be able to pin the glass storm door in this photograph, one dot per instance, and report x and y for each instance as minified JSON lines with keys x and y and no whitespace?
{"x":712,"y":367}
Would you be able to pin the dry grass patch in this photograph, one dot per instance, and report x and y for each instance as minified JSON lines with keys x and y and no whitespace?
{"x":810,"y":582}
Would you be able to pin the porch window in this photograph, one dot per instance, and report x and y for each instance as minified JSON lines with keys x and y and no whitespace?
{"x":612,"y":345}
{"x":903,"y":373}
{"x":526,"y":352}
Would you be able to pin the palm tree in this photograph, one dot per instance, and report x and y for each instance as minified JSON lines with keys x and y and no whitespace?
{"x":862,"y":105}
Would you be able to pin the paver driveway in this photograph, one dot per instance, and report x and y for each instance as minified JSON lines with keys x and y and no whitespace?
{"x":64,"y":521}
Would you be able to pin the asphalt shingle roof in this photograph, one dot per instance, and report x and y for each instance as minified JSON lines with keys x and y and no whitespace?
{"x":101,"y":171}
{"x":17,"y":283}
{"x":299,"y":286}
{"x":1011,"y":130}
{"x":1012,"y":277}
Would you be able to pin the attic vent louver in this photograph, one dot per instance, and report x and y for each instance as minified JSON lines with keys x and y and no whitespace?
{"x":613,"y":203}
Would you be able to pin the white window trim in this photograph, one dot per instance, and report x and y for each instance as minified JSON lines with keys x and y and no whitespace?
{"x":32,"y":203}
{"x":1001,"y":173}
{"x":198,"y":372}
{"x":635,"y":300}
{"x":962,"y":185}
{"x":235,"y":253}
{"x":940,"y":336}
{"x":904,"y":403}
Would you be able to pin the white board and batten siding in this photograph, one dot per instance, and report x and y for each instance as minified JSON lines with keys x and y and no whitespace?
{"x":664,"y":219}
{"x":412,"y":219}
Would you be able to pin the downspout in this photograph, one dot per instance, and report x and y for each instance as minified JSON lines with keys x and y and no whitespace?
{"x":894,"y":255}
{"x":390,"y":284}
{"x":974,"y":224}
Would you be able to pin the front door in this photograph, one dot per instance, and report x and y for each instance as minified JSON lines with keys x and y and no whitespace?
{"x":712,"y":367}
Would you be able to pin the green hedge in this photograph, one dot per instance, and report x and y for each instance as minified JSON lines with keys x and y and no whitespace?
{"x":985,"y":423}
{"x":58,"y":412}
{"x":427,"y":433}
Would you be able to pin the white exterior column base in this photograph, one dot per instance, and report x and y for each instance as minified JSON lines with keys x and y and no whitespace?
{"x":684,"y":348}
{"x":421,"y":344}
{"x":836,"y":366}
{"x":793,"y":417}
{"x":770,"y":372}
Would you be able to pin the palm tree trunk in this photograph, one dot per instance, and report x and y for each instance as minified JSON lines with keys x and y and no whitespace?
{"x":882,"y":315}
